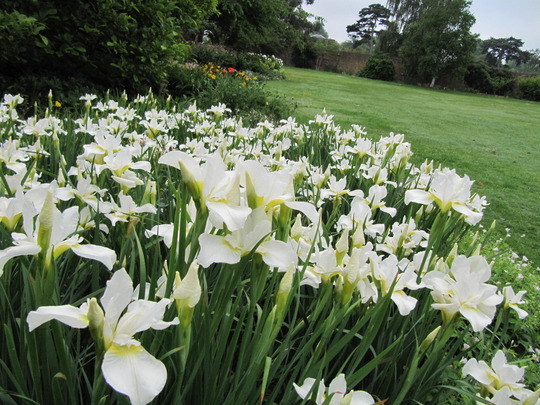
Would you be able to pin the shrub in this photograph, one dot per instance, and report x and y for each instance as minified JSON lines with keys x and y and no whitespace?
{"x":219,"y":55}
{"x":118,"y":45}
{"x":379,"y":67}
{"x":304,"y":57}
{"x":19,"y":33}
{"x":242,"y":92}
{"x":529,"y":88}
{"x":478,"y":78}
{"x":268,"y":66}
{"x":187,"y":80}
{"x":503,"y":81}
{"x":490,"y":80}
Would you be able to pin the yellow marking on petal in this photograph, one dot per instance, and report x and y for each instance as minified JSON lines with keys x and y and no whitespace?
{"x":58,"y":250}
{"x":274,"y":203}
{"x":127,"y":350}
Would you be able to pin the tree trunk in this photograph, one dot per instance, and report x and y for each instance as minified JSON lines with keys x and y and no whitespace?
{"x":432,"y":84}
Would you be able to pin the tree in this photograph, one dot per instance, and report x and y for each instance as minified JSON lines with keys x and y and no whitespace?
{"x":266,"y":26}
{"x":389,"y":40}
{"x":531,"y":65}
{"x":499,"y":50}
{"x":404,"y":11}
{"x":319,"y":28}
{"x":323,"y":49}
{"x":369,"y":24}
{"x":440,"y":41}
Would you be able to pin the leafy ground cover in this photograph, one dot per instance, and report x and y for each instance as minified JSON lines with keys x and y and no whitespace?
{"x":494,"y":140}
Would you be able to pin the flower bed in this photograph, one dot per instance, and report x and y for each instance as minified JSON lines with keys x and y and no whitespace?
{"x":217,"y":263}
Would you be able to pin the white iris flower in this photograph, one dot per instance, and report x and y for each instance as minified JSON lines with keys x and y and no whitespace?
{"x":127,"y":366}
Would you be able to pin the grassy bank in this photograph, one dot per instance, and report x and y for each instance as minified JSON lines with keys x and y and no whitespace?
{"x":496,"y":141}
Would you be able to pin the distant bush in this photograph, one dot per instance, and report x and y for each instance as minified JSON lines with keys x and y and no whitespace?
{"x":379,"y":67}
{"x":478,"y":77}
{"x":490,"y":80}
{"x":529,"y":88}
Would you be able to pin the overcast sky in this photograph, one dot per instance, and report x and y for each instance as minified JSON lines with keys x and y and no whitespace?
{"x":494,"y":18}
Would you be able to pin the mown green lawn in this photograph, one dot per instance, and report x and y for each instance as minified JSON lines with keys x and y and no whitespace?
{"x":496,"y":141}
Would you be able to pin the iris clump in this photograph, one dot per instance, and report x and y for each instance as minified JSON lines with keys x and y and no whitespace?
{"x":266,"y":260}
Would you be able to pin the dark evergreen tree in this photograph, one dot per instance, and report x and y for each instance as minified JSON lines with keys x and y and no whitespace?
{"x":371,"y":21}
{"x":499,"y":51}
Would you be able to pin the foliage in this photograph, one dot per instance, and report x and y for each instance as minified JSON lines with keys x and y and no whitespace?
{"x":250,"y":26}
{"x":504,"y":50}
{"x":531,"y":66}
{"x":371,"y":22}
{"x":305,"y":56}
{"x":285,"y":253}
{"x":390,"y":40}
{"x":323,"y":50}
{"x":265,"y":66}
{"x":118,"y":45}
{"x":439,"y":42}
{"x":503,"y":81}
{"x":529,"y":88}
{"x":406,"y":12}
{"x":319,"y":29}
{"x":262,"y":26}
{"x":490,"y":80}
{"x":379,"y":67}
{"x":20,"y":33}
{"x":242,"y":92}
